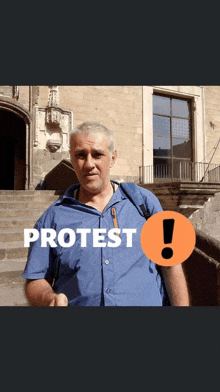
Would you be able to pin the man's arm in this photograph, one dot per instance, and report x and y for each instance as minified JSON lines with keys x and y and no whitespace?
{"x":176,"y":286}
{"x":40,"y":293}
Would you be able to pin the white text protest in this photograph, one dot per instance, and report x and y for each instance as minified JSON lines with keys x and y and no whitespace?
{"x":48,"y":236}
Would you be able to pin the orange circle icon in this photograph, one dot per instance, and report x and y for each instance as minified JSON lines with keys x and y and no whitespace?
{"x":168,"y":238}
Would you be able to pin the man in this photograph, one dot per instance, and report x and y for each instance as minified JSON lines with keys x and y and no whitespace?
{"x":99,"y":269}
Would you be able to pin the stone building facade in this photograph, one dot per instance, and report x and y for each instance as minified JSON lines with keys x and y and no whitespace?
{"x":35,"y":122}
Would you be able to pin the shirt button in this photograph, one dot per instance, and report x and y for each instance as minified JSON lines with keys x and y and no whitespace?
{"x":108,"y":291}
{"x":106,"y":261}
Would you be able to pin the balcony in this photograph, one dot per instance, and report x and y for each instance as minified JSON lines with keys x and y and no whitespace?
{"x":180,"y":171}
{"x":183,"y":187}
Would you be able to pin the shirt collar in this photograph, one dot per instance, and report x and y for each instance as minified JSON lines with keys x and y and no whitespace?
{"x":68,"y":194}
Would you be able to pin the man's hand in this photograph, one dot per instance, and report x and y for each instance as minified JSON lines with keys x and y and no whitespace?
{"x":59,"y":300}
{"x":40,"y":293}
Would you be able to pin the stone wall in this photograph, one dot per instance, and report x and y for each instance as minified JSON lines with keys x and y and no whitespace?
{"x":43,"y":162}
{"x":207,"y":218}
{"x":6,"y":91}
{"x":119,"y":108}
{"x":212,"y":121}
{"x":202,"y":271}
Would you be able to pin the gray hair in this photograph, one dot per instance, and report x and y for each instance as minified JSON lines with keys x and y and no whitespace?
{"x":93,"y":127}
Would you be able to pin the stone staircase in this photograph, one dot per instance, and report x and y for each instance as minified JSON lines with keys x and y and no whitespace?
{"x":19,"y":210}
{"x":182,"y":196}
{"x":207,"y":219}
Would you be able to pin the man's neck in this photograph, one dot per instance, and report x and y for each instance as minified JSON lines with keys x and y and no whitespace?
{"x":97,"y":199}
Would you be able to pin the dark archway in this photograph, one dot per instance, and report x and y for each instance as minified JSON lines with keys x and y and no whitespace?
{"x":12,"y":151}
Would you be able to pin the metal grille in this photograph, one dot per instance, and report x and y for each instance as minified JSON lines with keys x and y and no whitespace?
{"x":180,"y":171}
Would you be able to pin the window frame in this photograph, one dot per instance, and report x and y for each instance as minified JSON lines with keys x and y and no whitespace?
{"x":171,"y":160}
{"x":189,"y":100}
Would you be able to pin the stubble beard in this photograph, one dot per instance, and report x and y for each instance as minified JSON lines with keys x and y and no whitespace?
{"x":93,"y":190}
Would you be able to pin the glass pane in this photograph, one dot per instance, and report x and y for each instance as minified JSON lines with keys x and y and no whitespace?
{"x":161,"y":126}
{"x":162,"y":161}
{"x":181,"y":148}
{"x":161,"y":105}
{"x":180,"y":128}
{"x":178,"y":141}
{"x":162,"y":146}
{"x":180,"y":108}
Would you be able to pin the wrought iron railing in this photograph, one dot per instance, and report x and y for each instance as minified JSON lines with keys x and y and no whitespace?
{"x":180,"y":171}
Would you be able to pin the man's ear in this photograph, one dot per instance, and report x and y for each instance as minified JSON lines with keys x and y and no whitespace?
{"x":113,"y":158}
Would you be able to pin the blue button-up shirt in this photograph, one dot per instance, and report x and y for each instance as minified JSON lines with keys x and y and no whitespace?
{"x":103,"y":275}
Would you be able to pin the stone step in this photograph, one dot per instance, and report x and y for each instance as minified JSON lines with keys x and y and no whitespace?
{"x":18,"y":213}
{"x":28,"y":192}
{"x":13,"y":253}
{"x":25,"y":223}
{"x":11,"y":276}
{"x":11,"y":244}
{"x":12,"y":284}
{"x":12,"y":289}
{"x":12,"y":294}
{"x":26,"y":197}
{"x":18,"y":210}
{"x":26,"y":205}
{"x":13,"y":265}
{"x":11,"y":235}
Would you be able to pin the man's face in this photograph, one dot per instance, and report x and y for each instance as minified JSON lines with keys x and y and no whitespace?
{"x":92,"y":160}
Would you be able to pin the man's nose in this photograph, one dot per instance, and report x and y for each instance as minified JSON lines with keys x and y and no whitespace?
{"x":89,"y":163}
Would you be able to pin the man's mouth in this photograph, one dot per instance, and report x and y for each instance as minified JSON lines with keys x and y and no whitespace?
{"x":90,"y":174}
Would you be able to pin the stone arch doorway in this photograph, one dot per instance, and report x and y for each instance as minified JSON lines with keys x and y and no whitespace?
{"x":12,"y":151}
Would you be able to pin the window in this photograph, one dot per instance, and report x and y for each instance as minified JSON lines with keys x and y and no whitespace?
{"x":172,"y":137}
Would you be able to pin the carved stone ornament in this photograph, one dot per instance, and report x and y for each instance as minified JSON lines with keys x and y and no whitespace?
{"x":53,"y":117}
{"x":53,"y":145}
{"x":53,"y":113}
{"x":53,"y":96}
{"x":53,"y":124}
